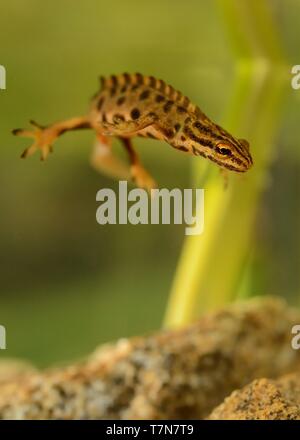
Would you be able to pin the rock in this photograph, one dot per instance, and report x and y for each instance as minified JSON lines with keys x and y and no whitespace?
{"x":263,"y":399}
{"x":169,"y":375}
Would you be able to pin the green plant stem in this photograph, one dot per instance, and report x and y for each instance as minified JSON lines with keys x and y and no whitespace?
{"x":211,"y":265}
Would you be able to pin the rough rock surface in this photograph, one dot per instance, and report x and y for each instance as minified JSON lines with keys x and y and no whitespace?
{"x":169,"y":375}
{"x":263,"y":399}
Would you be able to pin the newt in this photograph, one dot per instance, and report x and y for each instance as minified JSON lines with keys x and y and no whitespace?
{"x":130,"y":105}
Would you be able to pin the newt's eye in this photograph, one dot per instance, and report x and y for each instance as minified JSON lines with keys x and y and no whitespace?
{"x":224,"y":151}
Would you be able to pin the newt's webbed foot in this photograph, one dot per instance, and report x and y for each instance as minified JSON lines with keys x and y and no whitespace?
{"x":43,"y":139}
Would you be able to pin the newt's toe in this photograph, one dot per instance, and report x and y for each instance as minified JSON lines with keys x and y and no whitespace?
{"x":16,"y":131}
{"x":43,"y":138}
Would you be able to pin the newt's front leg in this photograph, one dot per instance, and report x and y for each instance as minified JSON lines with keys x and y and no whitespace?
{"x":139,"y":175}
{"x":44,"y":137}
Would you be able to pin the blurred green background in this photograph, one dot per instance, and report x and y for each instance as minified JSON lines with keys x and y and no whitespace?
{"x":66,"y":283}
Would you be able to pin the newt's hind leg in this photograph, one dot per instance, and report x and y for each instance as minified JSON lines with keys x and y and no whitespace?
{"x":45,"y":136}
{"x":138,"y":173}
{"x":104,"y":161}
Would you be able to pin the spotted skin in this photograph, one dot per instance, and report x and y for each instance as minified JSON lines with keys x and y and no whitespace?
{"x":130,"y":105}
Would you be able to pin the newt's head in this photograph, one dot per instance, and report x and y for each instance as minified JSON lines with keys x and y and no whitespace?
{"x":233,"y":154}
{"x":213,"y":142}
